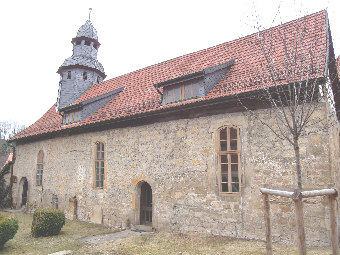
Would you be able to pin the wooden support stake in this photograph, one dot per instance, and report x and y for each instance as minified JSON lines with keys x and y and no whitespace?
{"x":300,"y":226}
{"x":334,"y":225}
{"x":269,"y":247}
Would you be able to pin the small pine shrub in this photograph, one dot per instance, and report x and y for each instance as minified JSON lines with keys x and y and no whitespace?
{"x":8,"y":228}
{"x":47,"y":222}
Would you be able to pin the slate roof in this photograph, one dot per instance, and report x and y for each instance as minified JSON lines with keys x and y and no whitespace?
{"x":82,"y":61}
{"x":140,"y":96}
{"x":87,"y":30}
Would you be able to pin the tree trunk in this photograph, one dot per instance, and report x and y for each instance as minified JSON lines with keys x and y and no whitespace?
{"x":297,"y":161}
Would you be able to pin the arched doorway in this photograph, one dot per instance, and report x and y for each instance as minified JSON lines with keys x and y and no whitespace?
{"x":145,"y":204}
{"x":22,"y":193}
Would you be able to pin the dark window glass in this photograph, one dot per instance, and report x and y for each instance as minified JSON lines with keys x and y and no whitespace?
{"x":85,"y":76}
{"x":170,"y":94}
{"x":95,"y":46}
{"x":78,"y":42}
{"x":40,"y":168}
{"x":69,"y":75}
{"x":99,"y":166}
{"x":196,"y":91}
{"x":224,"y":145}
{"x":87,"y":43}
{"x":177,"y":94}
{"x":187,"y":93}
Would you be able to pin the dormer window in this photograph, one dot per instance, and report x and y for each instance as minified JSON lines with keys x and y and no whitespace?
{"x":180,"y":93}
{"x":85,"y":76}
{"x":69,"y":75}
{"x":192,"y":85}
{"x":71,"y":117}
{"x":87,"y":43}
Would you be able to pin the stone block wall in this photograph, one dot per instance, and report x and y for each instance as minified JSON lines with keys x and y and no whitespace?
{"x":178,"y":159}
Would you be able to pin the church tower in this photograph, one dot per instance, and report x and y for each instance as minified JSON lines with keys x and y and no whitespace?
{"x":79,"y":72}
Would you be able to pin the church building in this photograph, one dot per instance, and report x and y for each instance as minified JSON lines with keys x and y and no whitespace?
{"x":178,"y":146}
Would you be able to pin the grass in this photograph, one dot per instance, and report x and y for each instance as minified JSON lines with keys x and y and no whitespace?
{"x":153,"y":243}
{"x":24,"y":243}
{"x":179,"y":244}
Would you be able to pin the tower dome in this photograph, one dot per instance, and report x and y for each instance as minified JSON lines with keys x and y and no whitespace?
{"x":80,"y":71}
{"x":87,"y":30}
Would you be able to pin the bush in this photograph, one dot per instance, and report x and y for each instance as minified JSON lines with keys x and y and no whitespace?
{"x":47,"y":222}
{"x":8,"y":228}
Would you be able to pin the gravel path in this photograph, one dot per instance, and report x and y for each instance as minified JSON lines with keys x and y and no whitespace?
{"x":112,"y":236}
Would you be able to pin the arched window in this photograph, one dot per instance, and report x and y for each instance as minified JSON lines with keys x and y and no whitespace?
{"x":229,"y":167}
{"x":99,"y":166}
{"x":40,"y":167}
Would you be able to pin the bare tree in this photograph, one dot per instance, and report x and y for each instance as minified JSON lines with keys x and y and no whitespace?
{"x":290,"y":81}
{"x":9,"y":129}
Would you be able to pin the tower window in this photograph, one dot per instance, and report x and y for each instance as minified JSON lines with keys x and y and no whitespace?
{"x":69,"y":75}
{"x":88,"y":43}
{"x":85,"y":76}
{"x":78,"y":42}
{"x":98,"y":79}
{"x":95,"y":46}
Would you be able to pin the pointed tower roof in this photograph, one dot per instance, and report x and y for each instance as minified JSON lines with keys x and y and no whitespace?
{"x":84,"y":58}
{"x":87,"y":30}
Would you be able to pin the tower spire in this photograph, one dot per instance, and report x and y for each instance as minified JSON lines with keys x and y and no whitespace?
{"x":90,"y":9}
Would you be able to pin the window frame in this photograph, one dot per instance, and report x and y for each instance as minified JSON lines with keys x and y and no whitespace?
{"x":101,"y":180}
{"x":39,"y":168}
{"x":228,"y":153}
{"x":171,"y":90}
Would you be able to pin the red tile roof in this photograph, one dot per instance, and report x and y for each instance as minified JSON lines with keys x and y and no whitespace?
{"x":140,"y":95}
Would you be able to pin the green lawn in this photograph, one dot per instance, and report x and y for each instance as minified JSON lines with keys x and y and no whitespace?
{"x":24,"y":243}
{"x":153,"y":243}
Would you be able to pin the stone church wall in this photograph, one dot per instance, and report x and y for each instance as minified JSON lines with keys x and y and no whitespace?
{"x":178,"y":159}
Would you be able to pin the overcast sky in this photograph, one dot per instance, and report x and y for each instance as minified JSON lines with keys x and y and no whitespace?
{"x":133,"y":34}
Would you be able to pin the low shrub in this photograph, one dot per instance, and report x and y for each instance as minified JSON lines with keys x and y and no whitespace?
{"x":47,"y":222}
{"x":8,"y":228}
